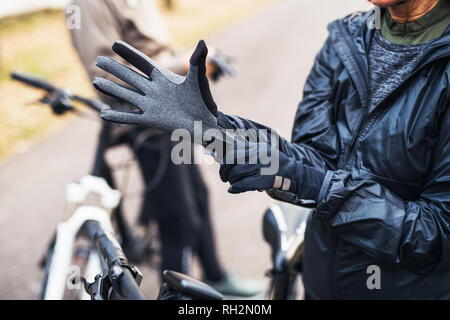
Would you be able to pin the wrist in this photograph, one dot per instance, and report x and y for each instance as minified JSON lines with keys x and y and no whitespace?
{"x":310,"y":181}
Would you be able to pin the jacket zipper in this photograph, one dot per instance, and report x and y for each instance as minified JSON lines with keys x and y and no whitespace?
{"x":363,"y":79}
{"x":364,"y":99}
{"x":365,"y":124}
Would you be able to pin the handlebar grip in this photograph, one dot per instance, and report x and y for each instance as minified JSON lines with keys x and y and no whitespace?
{"x":32,"y":81}
{"x":129,"y":289}
{"x":109,"y":248}
{"x":112,"y":253}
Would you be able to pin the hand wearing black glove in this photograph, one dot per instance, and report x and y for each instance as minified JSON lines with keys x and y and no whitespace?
{"x":292,"y":176}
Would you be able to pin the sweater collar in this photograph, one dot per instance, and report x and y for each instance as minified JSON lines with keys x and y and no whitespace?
{"x":435,"y":15}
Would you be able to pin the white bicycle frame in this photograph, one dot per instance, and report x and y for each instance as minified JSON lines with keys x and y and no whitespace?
{"x":67,"y":231}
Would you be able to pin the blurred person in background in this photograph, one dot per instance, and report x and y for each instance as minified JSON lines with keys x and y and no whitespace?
{"x":175,"y":195}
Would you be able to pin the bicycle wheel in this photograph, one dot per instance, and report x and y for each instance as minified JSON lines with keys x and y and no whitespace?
{"x":83,"y":254}
{"x":45,"y":265}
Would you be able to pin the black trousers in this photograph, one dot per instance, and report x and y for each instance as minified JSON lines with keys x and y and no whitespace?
{"x":177,"y":198}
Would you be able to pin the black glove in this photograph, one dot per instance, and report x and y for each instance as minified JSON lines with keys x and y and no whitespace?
{"x":257,"y":173}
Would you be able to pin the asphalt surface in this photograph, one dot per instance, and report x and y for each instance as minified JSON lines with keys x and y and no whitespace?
{"x":274,"y":51}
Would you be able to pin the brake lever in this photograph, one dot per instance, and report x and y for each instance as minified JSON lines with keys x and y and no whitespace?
{"x":59,"y":101}
{"x":97,"y":288}
{"x":224,"y":65}
{"x":45,"y":100}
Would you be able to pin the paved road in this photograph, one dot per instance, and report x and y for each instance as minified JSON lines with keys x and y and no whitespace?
{"x":274,"y":49}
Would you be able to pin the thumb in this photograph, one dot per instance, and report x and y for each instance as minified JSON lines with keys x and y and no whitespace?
{"x":198,"y":59}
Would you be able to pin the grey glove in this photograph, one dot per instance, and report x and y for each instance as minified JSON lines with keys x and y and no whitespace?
{"x":166,"y":100}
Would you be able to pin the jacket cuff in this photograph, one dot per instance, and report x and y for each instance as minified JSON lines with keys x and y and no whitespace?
{"x":325,"y":186}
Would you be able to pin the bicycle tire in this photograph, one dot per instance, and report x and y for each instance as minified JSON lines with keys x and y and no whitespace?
{"x":69,"y":293}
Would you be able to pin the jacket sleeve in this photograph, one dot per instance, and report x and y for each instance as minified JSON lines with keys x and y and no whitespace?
{"x":365,"y":213}
{"x":314,"y":138}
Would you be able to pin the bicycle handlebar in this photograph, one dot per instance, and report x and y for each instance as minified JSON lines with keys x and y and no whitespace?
{"x":129,"y":288}
{"x":126,"y":285}
{"x":109,"y":248}
{"x":35,"y":82}
{"x":94,"y":104}
{"x":32,"y":81}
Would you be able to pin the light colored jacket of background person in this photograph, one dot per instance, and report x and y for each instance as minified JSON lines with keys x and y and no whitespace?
{"x":137,"y":22}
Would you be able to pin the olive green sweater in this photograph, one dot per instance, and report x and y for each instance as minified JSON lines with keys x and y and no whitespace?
{"x":429,"y":27}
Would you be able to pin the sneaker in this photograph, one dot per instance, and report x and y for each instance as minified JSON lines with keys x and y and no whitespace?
{"x":232,"y":285}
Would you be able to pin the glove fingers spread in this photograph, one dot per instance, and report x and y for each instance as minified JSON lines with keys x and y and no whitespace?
{"x":144,"y":63}
{"x":122,"y":72}
{"x":121,"y":116}
{"x":134,"y":57}
{"x":117,"y":91}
